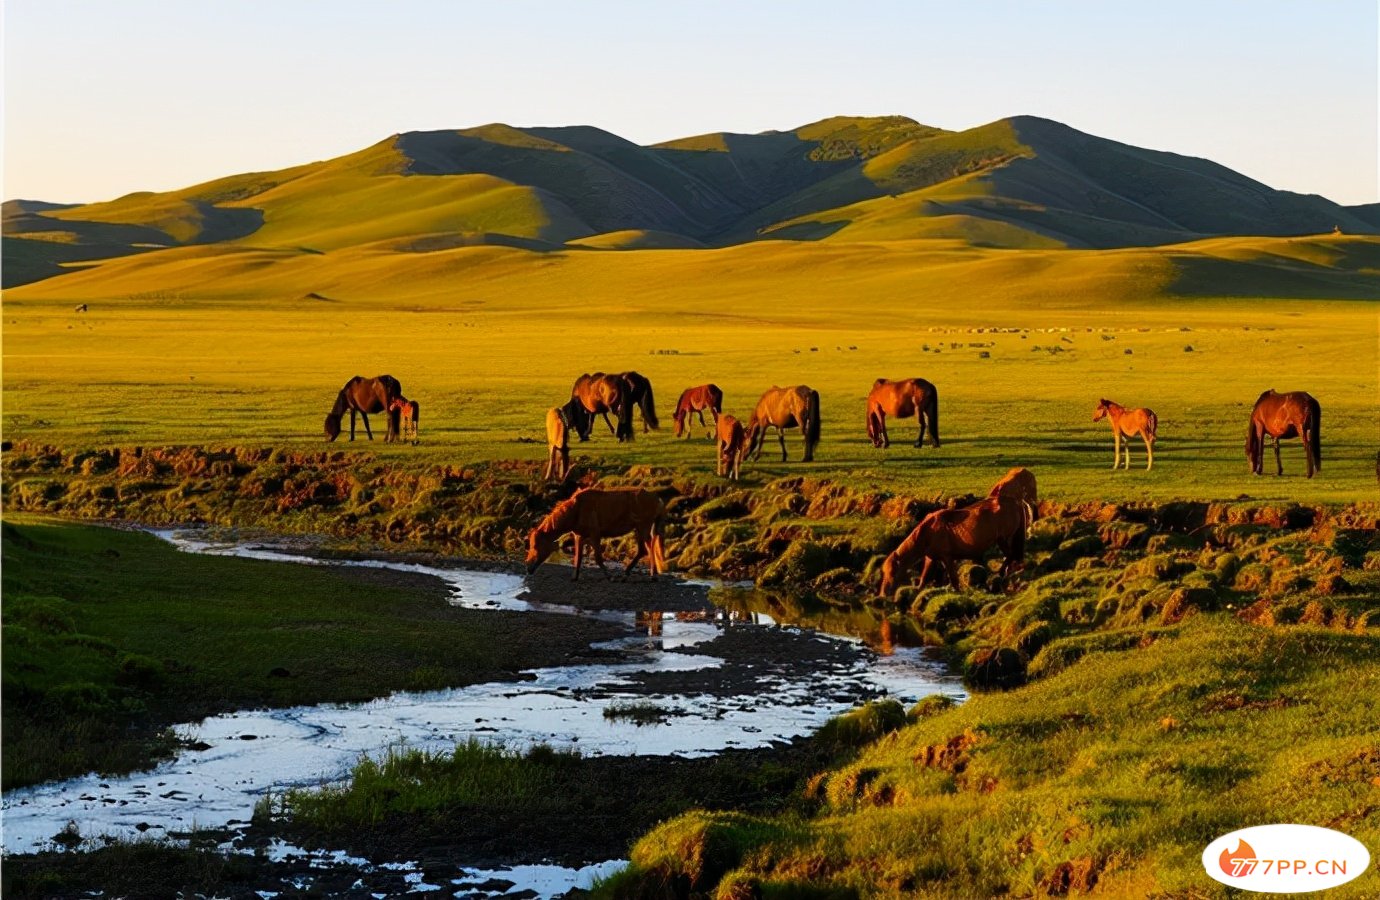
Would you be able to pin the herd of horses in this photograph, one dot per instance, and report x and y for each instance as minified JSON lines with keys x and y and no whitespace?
{"x":937,"y":543}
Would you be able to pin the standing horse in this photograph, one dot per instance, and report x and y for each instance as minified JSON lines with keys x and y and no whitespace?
{"x":1295,"y":414}
{"x":409,"y":415}
{"x":599,"y":395}
{"x":1128,"y":423}
{"x":908,"y":397}
{"x":967,"y":533}
{"x":783,"y":408}
{"x":557,"y":444}
{"x":597,"y":513}
{"x":732,"y":446}
{"x":363,"y":396}
{"x":695,"y":401}
{"x":640,"y":395}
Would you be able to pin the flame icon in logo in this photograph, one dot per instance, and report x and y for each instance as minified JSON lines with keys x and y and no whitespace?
{"x":1238,"y":862}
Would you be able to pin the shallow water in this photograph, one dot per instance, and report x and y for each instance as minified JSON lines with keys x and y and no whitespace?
{"x":256,"y":751}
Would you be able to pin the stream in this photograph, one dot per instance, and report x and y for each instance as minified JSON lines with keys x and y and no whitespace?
{"x":714,"y":701}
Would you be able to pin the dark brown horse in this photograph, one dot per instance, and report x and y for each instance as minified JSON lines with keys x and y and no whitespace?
{"x":908,"y":397}
{"x":783,"y":408}
{"x":1295,"y":414}
{"x":695,"y":401}
{"x":599,"y":395}
{"x":640,"y":395}
{"x":409,"y":413}
{"x":363,"y":396}
{"x":597,"y":513}
{"x":966,"y":533}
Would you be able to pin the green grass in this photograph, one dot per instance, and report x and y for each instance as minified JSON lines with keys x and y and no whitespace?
{"x":109,"y":636}
{"x":1123,"y":766}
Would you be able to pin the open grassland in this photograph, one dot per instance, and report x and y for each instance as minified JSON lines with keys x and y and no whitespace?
{"x":244,"y":347}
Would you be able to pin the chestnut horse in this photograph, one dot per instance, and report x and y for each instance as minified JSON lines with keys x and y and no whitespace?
{"x":908,"y":397}
{"x":783,"y":408}
{"x":965,"y":533}
{"x":1018,"y":484}
{"x":1295,"y":414}
{"x":409,"y":414}
{"x":732,"y":446}
{"x":1128,"y":423}
{"x":363,"y":396}
{"x":599,"y":395}
{"x":597,"y":513}
{"x":696,"y":400}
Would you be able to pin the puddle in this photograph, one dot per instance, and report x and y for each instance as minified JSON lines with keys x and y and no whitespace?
{"x":733,"y":700}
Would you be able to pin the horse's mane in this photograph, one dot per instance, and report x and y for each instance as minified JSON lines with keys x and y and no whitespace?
{"x":557,"y":517}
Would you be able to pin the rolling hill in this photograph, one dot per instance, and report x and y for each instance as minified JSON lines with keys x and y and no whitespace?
{"x":1022,"y":182}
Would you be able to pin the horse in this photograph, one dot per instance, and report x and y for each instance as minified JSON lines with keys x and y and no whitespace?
{"x":908,"y":397}
{"x":696,"y":400}
{"x":964,"y":533}
{"x":732,"y":446}
{"x":640,"y":395}
{"x":1018,"y":484}
{"x":783,"y":408}
{"x":558,"y":426}
{"x":599,"y":395}
{"x":409,"y":414}
{"x":597,"y":513}
{"x":1295,"y":414}
{"x":1127,"y":423}
{"x":363,"y":396}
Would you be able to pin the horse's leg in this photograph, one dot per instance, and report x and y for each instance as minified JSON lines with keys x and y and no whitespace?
{"x":1307,"y":451}
{"x":579,"y":557}
{"x":952,"y":570}
{"x":550,"y":463}
{"x":1116,"y":448}
{"x":352,"y":424}
{"x":1279,"y":466}
{"x":925,"y":570}
{"x":919,"y":423}
{"x":605,"y":414}
{"x":365,"y":416}
{"x":638,"y":553}
{"x":1126,"y":445}
{"x":781,"y":434}
{"x":565,"y":463}
{"x":1149,"y":450}
{"x":597,"y":545}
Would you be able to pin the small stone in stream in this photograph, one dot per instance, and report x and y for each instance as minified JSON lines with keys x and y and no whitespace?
{"x":198,"y":746}
{"x":142,"y":826}
{"x":249,"y":737}
{"x":493,"y":886}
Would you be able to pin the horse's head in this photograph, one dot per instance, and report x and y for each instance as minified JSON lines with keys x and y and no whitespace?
{"x":1255,"y":449}
{"x":541,"y":543}
{"x":1101,"y":412}
{"x":890,"y":575}
{"x":873,"y":432}
{"x":332,"y":426}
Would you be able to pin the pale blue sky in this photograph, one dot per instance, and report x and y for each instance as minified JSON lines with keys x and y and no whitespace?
{"x":104,"y":97}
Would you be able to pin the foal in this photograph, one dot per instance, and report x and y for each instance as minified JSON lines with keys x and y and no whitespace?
{"x":409,"y":413}
{"x":1126,"y":423}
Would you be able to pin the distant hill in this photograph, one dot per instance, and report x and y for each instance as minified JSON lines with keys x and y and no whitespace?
{"x":1022,"y":182}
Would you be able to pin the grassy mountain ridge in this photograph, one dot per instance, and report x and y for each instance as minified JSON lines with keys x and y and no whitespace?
{"x":1019,"y":183}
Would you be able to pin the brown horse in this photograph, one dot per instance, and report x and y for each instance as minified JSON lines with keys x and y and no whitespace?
{"x":597,"y":513}
{"x":640,"y":395}
{"x":732,"y":446}
{"x":363,"y":396}
{"x":783,"y":408}
{"x":409,"y":414}
{"x":558,"y":442}
{"x":965,"y":533}
{"x":1018,"y":484}
{"x":1295,"y":414}
{"x":599,"y":395}
{"x":908,"y":397}
{"x":1128,"y":423}
{"x":696,"y":400}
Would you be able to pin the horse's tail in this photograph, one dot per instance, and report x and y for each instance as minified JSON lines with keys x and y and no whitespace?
{"x":1254,"y":449}
{"x":932,"y":415}
{"x":716,"y":398}
{"x":1154,"y":425}
{"x":812,"y":429}
{"x":648,"y":405}
{"x":872,"y":422}
{"x":1315,"y":433}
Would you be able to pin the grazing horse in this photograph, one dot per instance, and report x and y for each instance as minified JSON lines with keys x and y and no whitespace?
{"x":1018,"y":484}
{"x":1128,"y":423}
{"x":640,"y":395}
{"x":597,"y":513}
{"x":409,"y":415}
{"x":908,"y":397}
{"x":363,"y":396}
{"x":696,"y":400}
{"x":783,"y":408}
{"x":965,"y":533}
{"x":559,"y":422}
{"x":732,"y":446}
{"x":599,"y":395}
{"x":1295,"y":414}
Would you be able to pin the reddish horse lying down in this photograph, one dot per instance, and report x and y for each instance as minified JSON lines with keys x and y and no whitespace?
{"x":967,"y":533}
{"x":597,"y":513}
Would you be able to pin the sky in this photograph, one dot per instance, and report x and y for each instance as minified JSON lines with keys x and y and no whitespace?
{"x":103,"y":98}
